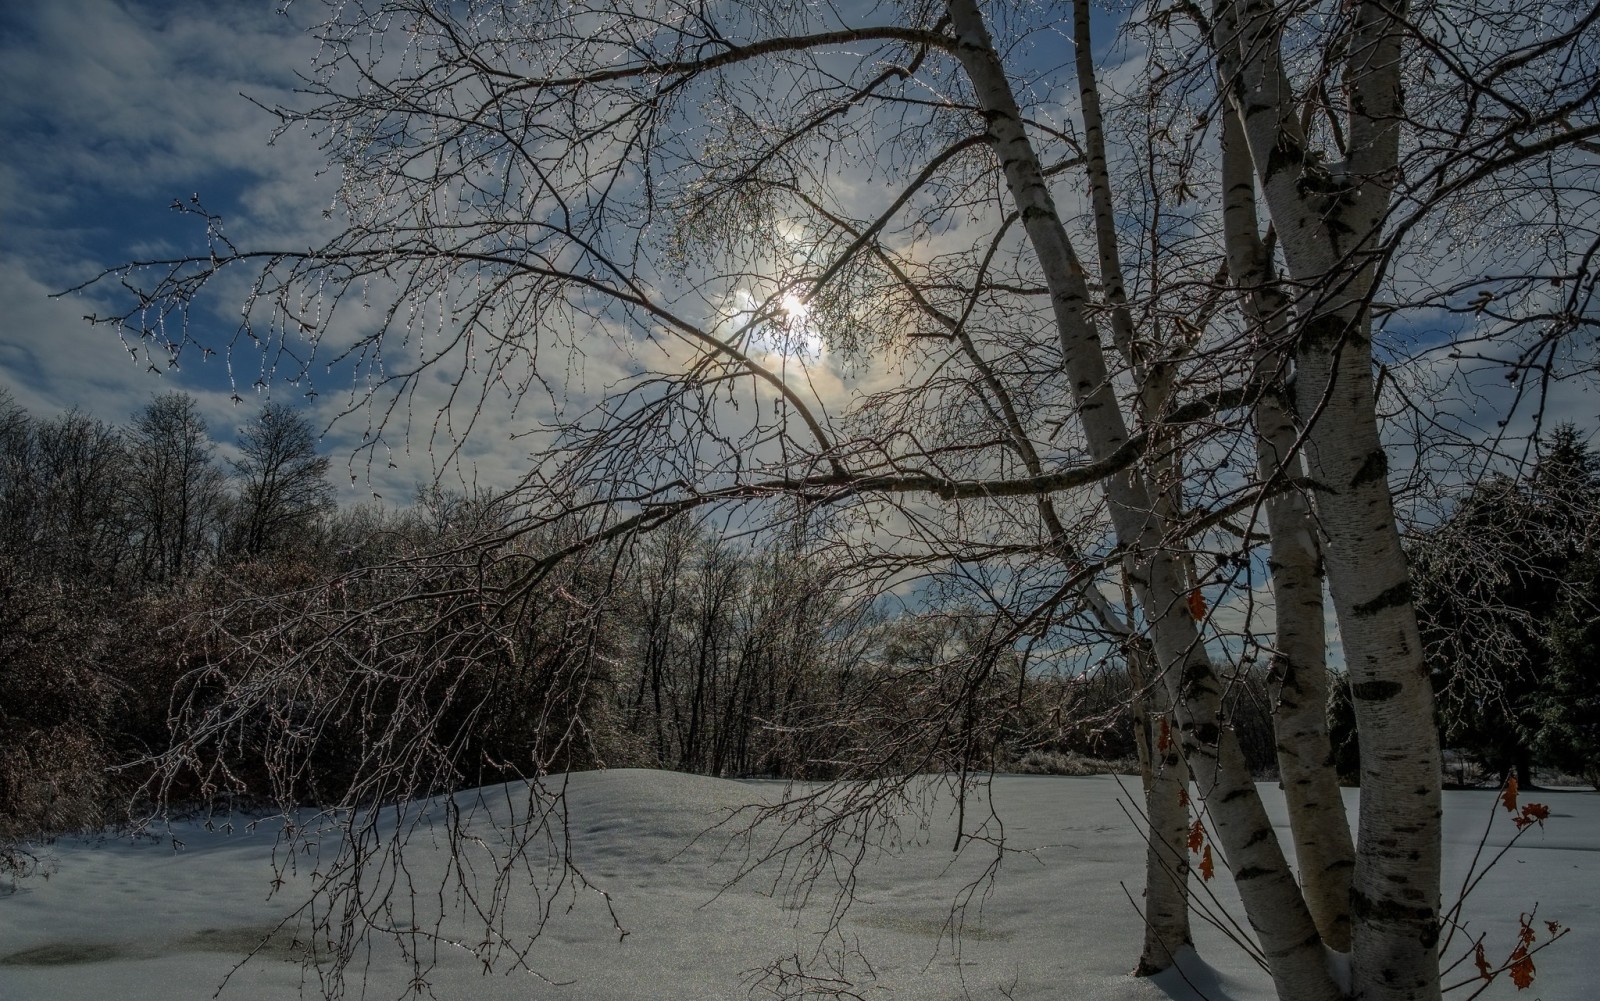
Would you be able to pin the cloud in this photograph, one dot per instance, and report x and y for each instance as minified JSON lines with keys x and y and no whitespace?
{"x":113,"y":111}
{"x":52,"y":360}
{"x":128,"y":96}
{"x":117,"y":108}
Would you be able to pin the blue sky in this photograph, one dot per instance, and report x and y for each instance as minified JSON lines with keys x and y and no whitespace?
{"x":116,"y":109}
{"x":113,"y":111}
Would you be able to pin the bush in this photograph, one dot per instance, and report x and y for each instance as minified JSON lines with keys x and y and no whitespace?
{"x":56,"y":706}
{"x":1056,"y":763}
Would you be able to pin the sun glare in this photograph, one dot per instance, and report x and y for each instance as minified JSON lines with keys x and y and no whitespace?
{"x":780,"y":325}
{"x":797,"y":337}
{"x":794,"y":309}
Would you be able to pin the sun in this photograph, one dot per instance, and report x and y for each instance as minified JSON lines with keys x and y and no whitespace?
{"x":794,"y":308}
{"x":796,"y":336}
{"x":780,"y":325}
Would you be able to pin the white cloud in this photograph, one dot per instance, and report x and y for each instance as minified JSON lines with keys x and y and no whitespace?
{"x":114,"y":110}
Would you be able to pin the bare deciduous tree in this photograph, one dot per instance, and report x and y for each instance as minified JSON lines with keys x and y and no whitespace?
{"x":832,"y":260}
{"x":174,"y":489}
{"x":282,"y":483}
{"x":80,"y":523}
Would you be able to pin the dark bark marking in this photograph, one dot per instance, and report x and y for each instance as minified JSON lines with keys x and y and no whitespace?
{"x":1394,"y":597}
{"x":1375,"y":468}
{"x":1364,"y":908}
{"x":1376,"y":691}
{"x":1285,"y":153}
{"x":1324,"y":332}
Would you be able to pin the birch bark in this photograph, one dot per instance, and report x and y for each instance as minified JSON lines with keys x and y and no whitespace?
{"x":1329,"y":220}
{"x":1272,"y":899}
{"x":1164,"y":774}
{"x":1317,"y":818}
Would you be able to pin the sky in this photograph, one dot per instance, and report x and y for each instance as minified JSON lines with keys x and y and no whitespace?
{"x":115,"y":110}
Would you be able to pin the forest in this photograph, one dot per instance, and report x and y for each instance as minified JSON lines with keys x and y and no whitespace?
{"x":141,"y":575}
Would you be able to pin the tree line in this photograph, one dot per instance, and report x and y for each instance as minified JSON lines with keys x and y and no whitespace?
{"x":144,"y":583}
{"x":150,"y":505}
{"x":107,"y":535}
{"x":134,"y":564}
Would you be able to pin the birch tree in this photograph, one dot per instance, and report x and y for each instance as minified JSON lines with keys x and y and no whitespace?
{"x":1332,"y":174}
{"x":761,"y":259}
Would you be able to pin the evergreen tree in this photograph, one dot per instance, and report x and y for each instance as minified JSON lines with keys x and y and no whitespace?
{"x":1490,"y":583}
{"x":1567,"y":707}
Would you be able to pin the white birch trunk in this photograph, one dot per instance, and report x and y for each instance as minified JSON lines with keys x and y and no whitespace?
{"x":1272,"y":899}
{"x":1164,"y":774}
{"x":1166,"y":861}
{"x":1329,"y":221}
{"x":1323,"y":848}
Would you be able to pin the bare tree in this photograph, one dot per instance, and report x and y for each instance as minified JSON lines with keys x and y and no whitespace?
{"x":736,"y":654}
{"x":62,"y":544}
{"x":19,"y":505}
{"x":282,"y":485}
{"x":79,"y":464}
{"x":174,"y":489}
{"x":834,"y":256}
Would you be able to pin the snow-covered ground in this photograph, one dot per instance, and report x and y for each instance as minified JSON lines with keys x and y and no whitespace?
{"x":131,"y":920}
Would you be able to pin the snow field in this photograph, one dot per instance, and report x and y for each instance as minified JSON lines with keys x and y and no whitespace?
{"x":147,"y":919}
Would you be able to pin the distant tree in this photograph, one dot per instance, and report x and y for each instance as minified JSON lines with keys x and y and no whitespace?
{"x":1565,"y":492}
{"x":738,"y":659}
{"x":19,"y":507}
{"x":1346,"y":743}
{"x":175,"y":488}
{"x":1566,"y":709}
{"x":61,"y":542}
{"x":281,"y":483}
{"x":79,"y":465}
{"x":56,"y":706}
{"x":1491,"y":584}
{"x":1474,"y":581}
